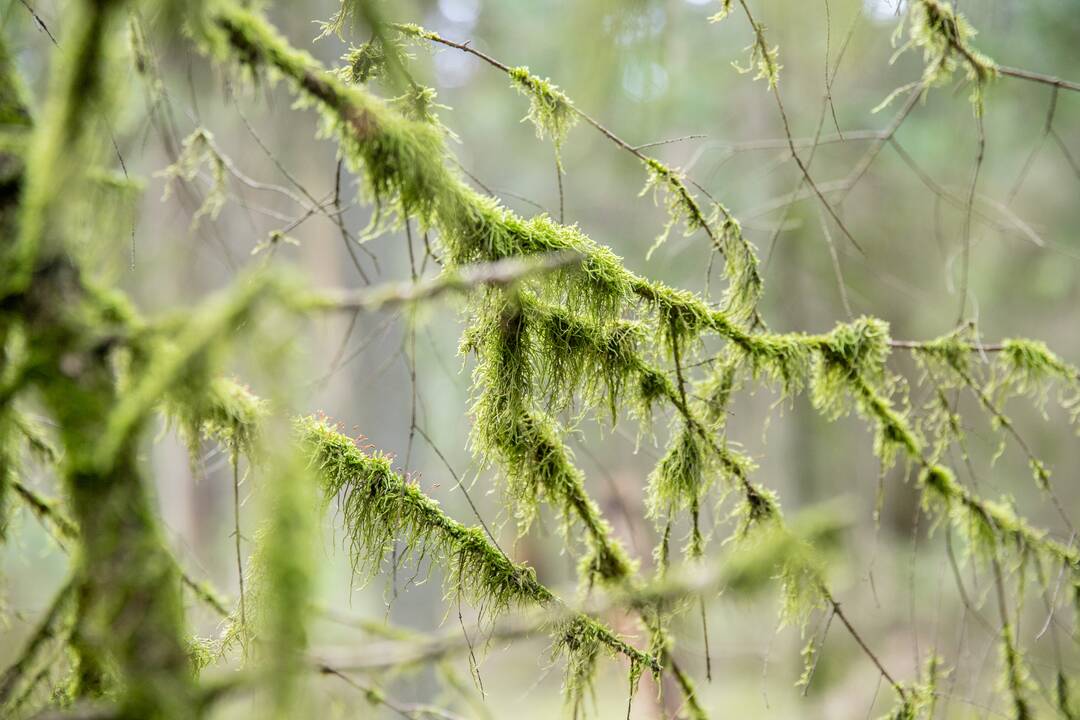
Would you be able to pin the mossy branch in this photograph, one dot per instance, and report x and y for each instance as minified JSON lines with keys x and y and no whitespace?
{"x":378,"y":506}
{"x":944,"y":37}
{"x":549,"y":111}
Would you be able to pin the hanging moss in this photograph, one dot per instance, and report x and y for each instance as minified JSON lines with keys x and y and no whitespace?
{"x":919,"y":699}
{"x":765,"y":59}
{"x":350,"y":13}
{"x":379,"y":507}
{"x":1016,"y":677}
{"x":682,"y":476}
{"x":548,"y":351}
{"x":193,"y":349}
{"x":225,"y":412}
{"x":988,"y":525}
{"x":550,"y":111}
{"x":1029,"y":367}
{"x":198,"y":149}
{"x":363,"y":63}
{"x":944,"y":36}
{"x":850,"y":374}
{"x":723,"y":12}
{"x":554,"y":114}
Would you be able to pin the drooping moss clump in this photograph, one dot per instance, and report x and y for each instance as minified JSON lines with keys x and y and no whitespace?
{"x":550,"y":110}
{"x":944,"y":36}
{"x":379,"y":507}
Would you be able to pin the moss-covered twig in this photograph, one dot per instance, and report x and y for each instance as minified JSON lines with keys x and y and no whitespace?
{"x":378,"y":506}
{"x":402,"y":166}
{"x":551,"y":107}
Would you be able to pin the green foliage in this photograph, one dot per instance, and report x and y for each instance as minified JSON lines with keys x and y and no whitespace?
{"x":989,"y":527}
{"x":919,"y":699}
{"x":349,"y":15}
{"x":554,"y":115}
{"x":53,"y":168}
{"x":682,"y":475}
{"x":681,"y":207}
{"x":189,"y":357}
{"x":850,"y":373}
{"x":223,"y":411}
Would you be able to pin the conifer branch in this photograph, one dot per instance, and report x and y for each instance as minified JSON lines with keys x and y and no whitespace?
{"x":597,"y":334}
{"x":47,"y":511}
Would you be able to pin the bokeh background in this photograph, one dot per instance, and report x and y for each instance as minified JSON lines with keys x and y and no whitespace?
{"x":651,"y":70}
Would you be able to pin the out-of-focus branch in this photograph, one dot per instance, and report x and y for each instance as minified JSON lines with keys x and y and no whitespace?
{"x":500,"y":273}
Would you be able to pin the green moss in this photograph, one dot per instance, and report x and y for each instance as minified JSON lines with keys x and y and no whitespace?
{"x":61,"y":144}
{"x":550,"y":111}
{"x":851,"y":355}
{"x":363,"y":63}
{"x":723,"y":12}
{"x":850,"y":374}
{"x":1029,"y":367}
{"x":989,"y":527}
{"x":379,"y":507}
{"x":682,"y":476}
{"x":762,"y":57}
{"x":191,"y":353}
{"x":944,"y":36}
{"x":349,"y":15}
{"x":198,"y":149}
{"x":223,"y":411}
